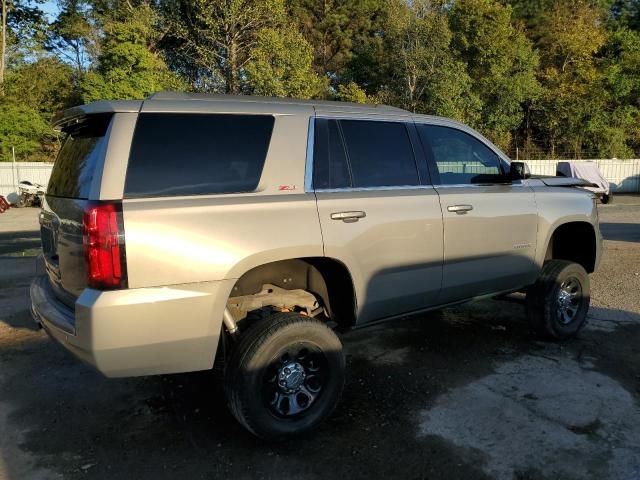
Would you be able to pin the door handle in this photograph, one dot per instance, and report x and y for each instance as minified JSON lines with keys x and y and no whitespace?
{"x":460,"y":209}
{"x":348,"y":217}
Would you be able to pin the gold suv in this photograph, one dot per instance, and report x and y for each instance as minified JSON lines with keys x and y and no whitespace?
{"x":186,"y":230}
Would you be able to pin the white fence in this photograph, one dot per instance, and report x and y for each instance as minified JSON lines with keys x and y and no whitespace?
{"x":10,"y":176}
{"x":624,"y":175}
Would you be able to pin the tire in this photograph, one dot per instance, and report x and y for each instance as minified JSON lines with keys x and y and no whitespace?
{"x":607,"y":198}
{"x":285,"y":376}
{"x":557,"y":304}
{"x":21,"y":202}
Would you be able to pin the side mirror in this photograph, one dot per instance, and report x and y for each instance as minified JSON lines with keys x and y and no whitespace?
{"x":519,"y":171}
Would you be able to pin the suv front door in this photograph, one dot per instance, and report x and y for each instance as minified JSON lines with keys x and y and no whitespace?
{"x":490,"y":223}
{"x":378,"y":213}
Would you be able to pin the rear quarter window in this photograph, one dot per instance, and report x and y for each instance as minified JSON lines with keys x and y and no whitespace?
{"x":82,"y":150}
{"x":197,"y":154}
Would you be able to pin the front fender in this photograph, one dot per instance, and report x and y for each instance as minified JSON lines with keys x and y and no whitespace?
{"x":560,"y":206}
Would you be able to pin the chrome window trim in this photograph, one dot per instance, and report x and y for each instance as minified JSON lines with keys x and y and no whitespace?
{"x":366,"y":119}
{"x":414,"y":187}
{"x":478,"y":185}
{"x":375,"y":189}
{"x":308,"y":166}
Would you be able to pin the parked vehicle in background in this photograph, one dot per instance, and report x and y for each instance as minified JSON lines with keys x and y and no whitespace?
{"x":189,"y":230}
{"x":30,"y":194}
{"x":590,"y":172}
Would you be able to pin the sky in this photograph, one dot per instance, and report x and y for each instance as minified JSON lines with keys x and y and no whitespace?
{"x":50,"y":8}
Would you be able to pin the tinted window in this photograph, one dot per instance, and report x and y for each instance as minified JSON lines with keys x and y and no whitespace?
{"x":459,"y":157}
{"x":330,"y":161}
{"x":197,"y":154}
{"x":379,"y":153}
{"x":81,"y":151}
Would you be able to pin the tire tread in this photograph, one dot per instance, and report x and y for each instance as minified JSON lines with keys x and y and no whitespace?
{"x":250,"y":342}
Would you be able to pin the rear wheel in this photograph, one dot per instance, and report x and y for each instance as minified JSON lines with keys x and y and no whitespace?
{"x":285,"y":376}
{"x":558,"y":302}
{"x":607,"y":198}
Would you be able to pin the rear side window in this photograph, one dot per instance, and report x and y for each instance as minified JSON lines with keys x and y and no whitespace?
{"x":460,"y":158}
{"x":380,"y":154}
{"x":82,"y":150}
{"x":197,"y":154}
{"x":363,"y":154}
{"x":331,"y":169}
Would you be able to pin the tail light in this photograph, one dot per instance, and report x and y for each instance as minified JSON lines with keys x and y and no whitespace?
{"x":103,"y":239}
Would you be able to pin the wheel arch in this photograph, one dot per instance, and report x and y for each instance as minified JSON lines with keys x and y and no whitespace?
{"x":573,"y":240}
{"x":327,"y":278}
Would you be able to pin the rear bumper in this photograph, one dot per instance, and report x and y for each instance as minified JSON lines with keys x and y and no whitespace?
{"x":133,"y":332}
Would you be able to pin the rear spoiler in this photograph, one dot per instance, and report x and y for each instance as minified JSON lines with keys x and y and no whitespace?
{"x":564,"y":181}
{"x":75,"y":114}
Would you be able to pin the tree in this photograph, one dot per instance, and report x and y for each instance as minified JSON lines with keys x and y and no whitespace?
{"x":626,"y":13}
{"x":214,"y":38}
{"x":570,"y":37}
{"x":129,"y":65}
{"x":339,"y":30}
{"x":280,"y":64}
{"x":74,"y":35}
{"x":44,"y":85}
{"x":425,"y":75}
{"x":22,"y":24}
{"x":21,"y":128}
{"x":500,"y":60}
{"x":614,"y":130}
{"x":351,"y":92}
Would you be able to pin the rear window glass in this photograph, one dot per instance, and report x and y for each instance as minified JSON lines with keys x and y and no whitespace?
{"x":197,"y":154}
{"x":82,"y":149}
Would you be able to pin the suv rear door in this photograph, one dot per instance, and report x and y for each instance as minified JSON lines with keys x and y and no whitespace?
{"x":378,"y":212}
{"x":490,"y":223}
{"x":78,"y":166}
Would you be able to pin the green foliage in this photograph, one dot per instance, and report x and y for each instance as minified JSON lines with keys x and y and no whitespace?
{"x":626,"y":13}
{"x":551,"y":77}
{"x":281,"y":65}
{"x":425,"y":75}
{"x":340,"y":30}
{"x":22,"y":128}
{"x":214,"y":38}
{"x":26,"y":27}
{"x":128,"y":68}
{"x":615,"y":128}
{"x":351,"y":92}
{"x":500,"y":59}
{"x":74,"y":35}
{"x":44,"y":86}
{"x":569,"y":74}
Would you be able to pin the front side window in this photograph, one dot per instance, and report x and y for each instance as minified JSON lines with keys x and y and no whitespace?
{"x":197,"y":154}
{"x":460,"y":158}
{"x":363,"y":154}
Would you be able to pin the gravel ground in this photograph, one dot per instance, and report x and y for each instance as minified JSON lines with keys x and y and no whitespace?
{"x":463,"y":393}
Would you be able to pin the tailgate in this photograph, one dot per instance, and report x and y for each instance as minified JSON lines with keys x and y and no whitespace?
{"x":70,"y":187}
